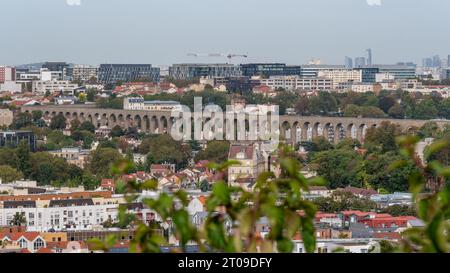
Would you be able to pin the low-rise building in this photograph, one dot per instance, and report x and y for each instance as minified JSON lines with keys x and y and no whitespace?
{"x":251,"y":162}
{"x":64,"y":87}
{"x":75,"y":156}
{"x":142,"y":105}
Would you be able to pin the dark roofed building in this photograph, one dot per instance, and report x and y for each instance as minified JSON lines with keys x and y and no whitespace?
{"x":71,"y":203}
{"x":19,"y":204}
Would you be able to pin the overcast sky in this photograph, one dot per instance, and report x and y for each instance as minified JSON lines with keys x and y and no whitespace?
{"x":162,"y":32}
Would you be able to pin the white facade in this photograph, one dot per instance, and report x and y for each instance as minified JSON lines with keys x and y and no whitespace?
{"x":363,"y":87}
{"x":296,"y":83}
{"x":43,"y":218}
{"x":47,"y":75}
{"x":41,"y":87}
{"x":345,"y":245}
{"x":10,"y":86}
{"x":381,"y":77}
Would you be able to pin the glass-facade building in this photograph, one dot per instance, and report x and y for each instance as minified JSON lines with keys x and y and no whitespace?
{"x":12,"y":139}
{"x":269,"y":69}
{"x":193,"y":71}
{"x":369,"y":74}
{"x":112,"y":73}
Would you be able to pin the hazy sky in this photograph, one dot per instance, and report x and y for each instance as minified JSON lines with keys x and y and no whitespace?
{"x":162,"y":32}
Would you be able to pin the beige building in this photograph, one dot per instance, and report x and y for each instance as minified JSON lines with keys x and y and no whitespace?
{"x":6,"y":117}
{"x":251,"y":162}
{"x":74,"y":156}
{"x":339,"y":76}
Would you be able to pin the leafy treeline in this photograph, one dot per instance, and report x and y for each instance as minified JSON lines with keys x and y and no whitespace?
{"x":368,"y":166}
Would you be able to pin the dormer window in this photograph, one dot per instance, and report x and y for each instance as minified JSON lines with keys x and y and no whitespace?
{"x":23,"y":243}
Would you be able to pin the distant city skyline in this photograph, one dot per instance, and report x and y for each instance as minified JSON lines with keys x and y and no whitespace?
{"x":164,"y":32}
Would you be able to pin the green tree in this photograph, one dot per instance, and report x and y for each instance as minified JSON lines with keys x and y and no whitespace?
{"x":101,"y":161}
{"x":23,"y":155}
{"x":163,"y":148}
{"x":9,"y":174}
{"x":58,"y":122}
{"x":87,"y":126}
{"x":74,"y":125}
{"x":18,"y":219}
{"x":426,"y":109}
{"x":216,"y":151}
{"x":397,"y":111}
{"x":8,"y":156}
{"x":37,"y":115}
{"x":117,"y":131}
{"x":339,"y":167}
{"x":22,"y":120}
{"x":429,"y":129}
{"x":384,"y":136}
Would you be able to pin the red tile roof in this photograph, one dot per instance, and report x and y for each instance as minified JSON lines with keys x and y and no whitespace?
{"x":44,"y":250}
{"x":246,"y":149}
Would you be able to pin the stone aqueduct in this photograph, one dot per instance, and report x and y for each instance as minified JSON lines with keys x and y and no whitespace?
{"x":292,"y":128}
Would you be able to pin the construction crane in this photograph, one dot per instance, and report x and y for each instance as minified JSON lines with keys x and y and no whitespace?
{"x":229,"y":56}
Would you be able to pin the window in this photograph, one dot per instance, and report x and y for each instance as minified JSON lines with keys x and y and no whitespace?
{"x":38,"y":244}
{"x":23,"y":243}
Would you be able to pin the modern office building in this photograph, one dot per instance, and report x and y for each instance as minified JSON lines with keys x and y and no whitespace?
{"x":193,"y":71}
{"x":436,"y":61}
{"x":269,"y":69}
{"x":63,"y":67}
{"x":348,"y":62}
{"x":446,"y":73}
{"x":113,"y":73}
{"x":360,"y":62}
{"x":369,"y":56}
{"x":12,"y":139}
{"x":312,"y":70}
{"x":240,"y":84}
{"x":368,"y":74}
{"x":85,"y":72}
{"x":400,"y":71}
{"x":427,"y":62}
{"x":42,"y":87}
{"x":7,"y":74}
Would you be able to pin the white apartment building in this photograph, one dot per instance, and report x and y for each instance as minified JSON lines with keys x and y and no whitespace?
{"x":142,"y":105}
{"x":296,"y":83}
{"x":45,"y":215}
{"x":340,"y":76}
{"x":41,"y":87}
{"x":47,"y":75}
{"x":11,"y":86}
